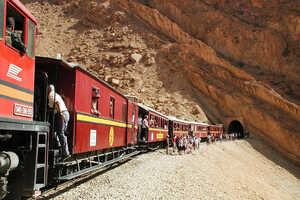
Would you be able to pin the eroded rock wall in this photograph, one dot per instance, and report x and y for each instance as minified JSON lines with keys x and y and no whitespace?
{"x":200,"y":33}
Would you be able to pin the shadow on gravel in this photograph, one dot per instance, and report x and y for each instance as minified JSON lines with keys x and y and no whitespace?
{"x":83,"y":180}
{"x":272,"y":154}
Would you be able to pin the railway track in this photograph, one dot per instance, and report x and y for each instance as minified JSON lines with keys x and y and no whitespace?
{"x":60,"y":187}
{"x":55,"y":190}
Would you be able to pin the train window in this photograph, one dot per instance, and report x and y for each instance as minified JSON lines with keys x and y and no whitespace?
{"x":95,"y":101}
{"x":14,"y":35}
{"x":156,"y":122}
{"x":30,"y":38}
{"x":133,"y":115}
{"x":151,"y":121}
{"x":1,"y":18}
{"x":112,"y":107}
{"x":159,"y":123}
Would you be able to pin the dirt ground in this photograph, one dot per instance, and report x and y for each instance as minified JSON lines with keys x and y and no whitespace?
{"x":241,"y":169}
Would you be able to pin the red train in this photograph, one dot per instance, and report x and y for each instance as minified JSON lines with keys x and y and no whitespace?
{"x":104,"y":124}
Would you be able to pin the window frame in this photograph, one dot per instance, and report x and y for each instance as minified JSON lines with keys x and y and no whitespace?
{"x":112,"y":109}
{"x":2,"y":21}
{"x":97,"y":100}
{"x":30,"y":46}
{"x":24,"y":38}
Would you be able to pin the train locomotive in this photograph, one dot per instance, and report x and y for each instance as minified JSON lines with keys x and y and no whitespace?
{"x":103,"y":126}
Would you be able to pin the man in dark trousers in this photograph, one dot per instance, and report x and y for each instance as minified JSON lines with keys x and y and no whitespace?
{"x":62,"y":117}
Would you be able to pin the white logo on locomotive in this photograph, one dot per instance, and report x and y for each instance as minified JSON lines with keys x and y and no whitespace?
{"x":13,"y":72}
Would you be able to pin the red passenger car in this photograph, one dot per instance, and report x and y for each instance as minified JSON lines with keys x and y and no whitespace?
{"x":158,"y":124}
{"x":100,"y":114}
{"x":200,"y":129}
{"x":179,"y":127}
{"x":107,"y":128}
{"x":216,"y":130}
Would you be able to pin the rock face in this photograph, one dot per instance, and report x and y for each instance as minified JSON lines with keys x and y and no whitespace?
{"x":238,"y":60}
{"x":214,"y":49}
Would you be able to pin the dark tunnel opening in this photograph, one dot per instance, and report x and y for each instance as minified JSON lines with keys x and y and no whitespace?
{"x":236,"y":127}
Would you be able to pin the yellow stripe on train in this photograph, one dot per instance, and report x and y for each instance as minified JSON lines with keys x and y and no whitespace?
{"x":158,"y":129}
{"x":87,"y":118}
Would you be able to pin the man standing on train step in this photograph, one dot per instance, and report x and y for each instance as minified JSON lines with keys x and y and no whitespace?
{"x":145,"y":127}
{"x":61,"y":119}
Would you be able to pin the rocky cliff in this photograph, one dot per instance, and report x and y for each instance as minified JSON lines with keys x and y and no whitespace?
{"x":236,"y":59}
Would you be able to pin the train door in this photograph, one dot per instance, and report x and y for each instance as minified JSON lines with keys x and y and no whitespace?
{"x":134,"y":123}
{"x":40,"y":96}
{"x":170,"y":129}
{"x":143,"y":137}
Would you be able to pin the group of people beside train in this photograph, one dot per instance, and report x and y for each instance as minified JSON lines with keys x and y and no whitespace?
{"x":185,"y":144}
{"x":188,"y":143}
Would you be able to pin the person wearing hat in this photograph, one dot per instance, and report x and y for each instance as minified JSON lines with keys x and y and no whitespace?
{"x":12,"y":37}
{"x":62,"y":117}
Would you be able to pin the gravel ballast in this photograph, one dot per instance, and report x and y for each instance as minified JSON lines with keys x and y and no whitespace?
{"x":241,"y":169}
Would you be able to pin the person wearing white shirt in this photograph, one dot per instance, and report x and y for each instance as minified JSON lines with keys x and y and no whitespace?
{"x":62,"y":117}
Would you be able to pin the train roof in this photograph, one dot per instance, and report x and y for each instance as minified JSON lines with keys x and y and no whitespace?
{"x":187,"y":122}
{"x":217,"y":125}
{"x":175,"y":119}
{"x":150,"y":109}
{"x":24,"y":9}
{"x":75,"y":66}
{"x":199,"y":123}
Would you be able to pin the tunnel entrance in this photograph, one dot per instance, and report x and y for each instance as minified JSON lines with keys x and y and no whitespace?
{"x":236,"y":127}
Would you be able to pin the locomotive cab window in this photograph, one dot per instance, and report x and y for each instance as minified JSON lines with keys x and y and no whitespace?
{"x":112,"y":107}
{"x":15,"y":24}
{"x":1,"y":18}
{"x":95,"y":101}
